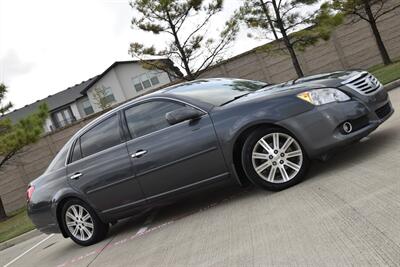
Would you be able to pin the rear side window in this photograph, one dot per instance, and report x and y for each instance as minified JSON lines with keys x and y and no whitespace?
{"x":104,"y":135}
{"x":76,"y":152}
{"x":59,"y":161}
{"x":149,"y":117}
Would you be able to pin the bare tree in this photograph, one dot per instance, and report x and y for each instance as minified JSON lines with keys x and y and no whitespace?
{"x":187,"y":23}
{"x":100,"y":97}
{"x":370,"y":11}
{"x":288,"y":23}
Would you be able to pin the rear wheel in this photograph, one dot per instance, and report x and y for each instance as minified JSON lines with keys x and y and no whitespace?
{"x":274,"y":159}
{"x":82,"y":224}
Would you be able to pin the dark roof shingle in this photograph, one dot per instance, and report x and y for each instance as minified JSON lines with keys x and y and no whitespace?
{"x":55,"y":101}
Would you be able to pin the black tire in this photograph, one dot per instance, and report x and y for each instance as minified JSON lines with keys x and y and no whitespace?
{"x":279,"y":184}
{"x":99,"y":230}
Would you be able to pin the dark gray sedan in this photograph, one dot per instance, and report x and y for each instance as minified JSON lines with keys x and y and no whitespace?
{"x":186,"y":138}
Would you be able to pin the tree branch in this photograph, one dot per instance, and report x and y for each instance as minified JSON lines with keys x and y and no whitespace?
{"x":287,"y":11}
{"x":7,"y":158}
{"x":181,"y":20}
{"x":279,"y":4}
{"x":172,"y":72}
{"x":199,"y":27}
{"x":386,"y":11}
{"x":211,"y":58}
{"x":360,"y":15}
{"x":379,"y":9}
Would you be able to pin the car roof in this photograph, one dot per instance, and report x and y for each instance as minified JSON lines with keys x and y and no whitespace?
{"x":166,"y":93}
{"x":211,"y":82}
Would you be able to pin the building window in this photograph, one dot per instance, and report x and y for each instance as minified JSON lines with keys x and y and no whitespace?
{"x":103,"y":97}
{"x":63,"y":117}
{"x":146,"y":80}
{"x":87,"y":107}
{"x":154,"y":80}
{"x":108,"y":95}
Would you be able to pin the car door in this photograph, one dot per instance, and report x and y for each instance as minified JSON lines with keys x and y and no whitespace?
{"x":170,"y":158}
{"x":101,"y":169}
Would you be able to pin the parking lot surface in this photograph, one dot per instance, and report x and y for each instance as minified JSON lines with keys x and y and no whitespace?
{"x":347,"y":212}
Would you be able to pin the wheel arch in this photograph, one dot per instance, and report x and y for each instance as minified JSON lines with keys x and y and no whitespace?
{"x":238,"y":145}
{"x":58,"y":208}
{"x":241,"y":138}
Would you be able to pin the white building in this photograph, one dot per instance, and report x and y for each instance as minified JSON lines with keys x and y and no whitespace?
{"x":120,"y":82}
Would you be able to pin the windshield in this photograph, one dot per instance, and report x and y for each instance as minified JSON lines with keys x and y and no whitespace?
{"x":217,"y":91}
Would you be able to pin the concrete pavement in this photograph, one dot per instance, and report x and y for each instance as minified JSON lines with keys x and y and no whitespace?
{"x":347,"y":212}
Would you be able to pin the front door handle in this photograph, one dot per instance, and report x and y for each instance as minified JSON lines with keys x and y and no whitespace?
{"x":76,"y":176}
{"x":139,"y":153}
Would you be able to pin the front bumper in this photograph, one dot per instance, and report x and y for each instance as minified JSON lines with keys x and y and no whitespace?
{"x":320,"y":130}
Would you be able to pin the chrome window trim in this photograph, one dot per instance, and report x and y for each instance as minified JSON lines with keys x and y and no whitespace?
{"x":90,"y":126}
{"x":115,"y":111}
{"x":146,"y":135}
{"x":97,"y":154}
{"x":127,"y":105}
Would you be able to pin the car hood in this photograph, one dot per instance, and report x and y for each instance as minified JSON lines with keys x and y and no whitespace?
{"x":292,"y":87}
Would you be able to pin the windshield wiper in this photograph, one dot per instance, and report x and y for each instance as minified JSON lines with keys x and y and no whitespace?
{"x":233,"y":99}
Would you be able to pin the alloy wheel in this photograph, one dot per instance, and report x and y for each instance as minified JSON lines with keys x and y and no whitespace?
{"x":79,"y":222}
{"x":277,"y":157}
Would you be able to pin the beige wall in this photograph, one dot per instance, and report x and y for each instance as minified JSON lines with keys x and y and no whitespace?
{"x":125,"y":73}
{"x":110,"y":80}
{"x":351,"y":46}
{"x":31,"y":163}
{"x":119,"y":79}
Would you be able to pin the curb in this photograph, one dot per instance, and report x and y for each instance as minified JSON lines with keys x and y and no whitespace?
{"x":19,"y":239}
{"x":392,"y":85}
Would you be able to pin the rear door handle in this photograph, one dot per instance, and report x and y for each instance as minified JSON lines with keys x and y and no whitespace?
{"x":76,"y":176}
{"x":139,"y":153}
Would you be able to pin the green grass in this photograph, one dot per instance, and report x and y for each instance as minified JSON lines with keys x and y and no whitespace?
{"x":386,"y":74}
{"x":17,"y":224}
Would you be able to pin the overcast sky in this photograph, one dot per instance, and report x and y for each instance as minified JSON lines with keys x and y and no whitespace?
{"x":49,"y":45}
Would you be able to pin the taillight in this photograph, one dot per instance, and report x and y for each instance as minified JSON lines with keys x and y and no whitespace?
{"x":29,"y":192}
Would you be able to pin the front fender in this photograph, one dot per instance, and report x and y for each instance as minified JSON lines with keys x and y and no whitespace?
{"x":231,"y":122}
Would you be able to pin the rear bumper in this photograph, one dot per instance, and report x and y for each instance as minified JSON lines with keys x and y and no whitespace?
{"x":321,"y":129}
{"x":43,"y":219}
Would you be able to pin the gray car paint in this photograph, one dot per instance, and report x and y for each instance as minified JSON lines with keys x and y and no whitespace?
{"x":176,"y":166}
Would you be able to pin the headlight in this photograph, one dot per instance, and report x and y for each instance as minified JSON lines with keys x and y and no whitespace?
{"x":323,"y":96}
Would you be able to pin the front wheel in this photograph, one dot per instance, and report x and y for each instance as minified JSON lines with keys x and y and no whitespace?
{"x":82,"y":224}
{"x":273,"y":159}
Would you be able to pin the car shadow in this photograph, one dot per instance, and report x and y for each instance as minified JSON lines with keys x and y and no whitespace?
{"x":346,"y":156}
{"x":183,"y":208}
{"x":355,"y":153}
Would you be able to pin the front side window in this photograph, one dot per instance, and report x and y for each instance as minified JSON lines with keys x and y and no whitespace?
{"x":149,"y":116}
{"x":104,"y":135}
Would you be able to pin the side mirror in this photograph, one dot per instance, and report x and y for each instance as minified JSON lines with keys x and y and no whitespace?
{"x":182,"y":114}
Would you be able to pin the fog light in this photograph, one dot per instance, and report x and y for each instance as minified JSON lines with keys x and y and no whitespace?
{"x":347,"y":127}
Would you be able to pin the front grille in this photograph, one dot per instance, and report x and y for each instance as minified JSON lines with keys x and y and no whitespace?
{"x":383,"y":111}
{"x":364,"y":83}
